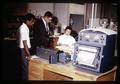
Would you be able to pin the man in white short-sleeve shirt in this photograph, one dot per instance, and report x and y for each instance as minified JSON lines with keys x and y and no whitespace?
{"x":24,"y":35}
{"x":24,"y":44}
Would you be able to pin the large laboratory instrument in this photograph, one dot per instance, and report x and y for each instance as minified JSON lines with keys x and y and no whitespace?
{"x":95,"y":49}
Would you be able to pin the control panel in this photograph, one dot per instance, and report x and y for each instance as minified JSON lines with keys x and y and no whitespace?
{"x":97,"y":38}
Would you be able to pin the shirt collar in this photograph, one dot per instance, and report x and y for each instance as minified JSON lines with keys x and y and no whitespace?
{"x":25,"y":25}
{"x":44,"y":21}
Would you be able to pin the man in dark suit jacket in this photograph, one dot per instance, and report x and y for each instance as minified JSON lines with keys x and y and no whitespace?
{"x":41,"y":31}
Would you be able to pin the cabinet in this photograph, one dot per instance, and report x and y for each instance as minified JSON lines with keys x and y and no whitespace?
{"x":49,"y":75}
{"x":36,"y":69}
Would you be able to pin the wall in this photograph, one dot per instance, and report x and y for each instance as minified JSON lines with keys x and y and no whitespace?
{"x":40,"y":8}
{"x":58,"y":9}
{"x":76,"y":9}
{"x":62,"y":12}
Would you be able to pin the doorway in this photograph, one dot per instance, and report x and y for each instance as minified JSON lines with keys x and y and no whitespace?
{"x":76,"y":22}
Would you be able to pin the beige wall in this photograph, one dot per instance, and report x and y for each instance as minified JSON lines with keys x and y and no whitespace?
{"x":76,"y":9}
{"x":40,"y":8}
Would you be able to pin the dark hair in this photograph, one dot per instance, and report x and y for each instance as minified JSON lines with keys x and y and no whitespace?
{"x":68,"y":27}
{"x":48,"y":13}
{"x":29,"y":16}
{"x":54,"y":20}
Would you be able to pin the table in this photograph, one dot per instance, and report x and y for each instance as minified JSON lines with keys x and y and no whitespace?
{"x":40,"y":69}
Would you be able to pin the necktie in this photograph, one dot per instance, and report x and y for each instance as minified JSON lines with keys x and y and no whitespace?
{"x":47,"y":27}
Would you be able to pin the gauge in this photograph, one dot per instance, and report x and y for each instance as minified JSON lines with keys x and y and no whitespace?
{"x":96,"y":38}
{"x":87,"y":37}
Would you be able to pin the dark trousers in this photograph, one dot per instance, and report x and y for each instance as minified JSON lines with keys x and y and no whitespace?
{"x":24,"y":65}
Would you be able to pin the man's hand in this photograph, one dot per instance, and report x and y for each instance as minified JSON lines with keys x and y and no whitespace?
{"x":29,"y":58}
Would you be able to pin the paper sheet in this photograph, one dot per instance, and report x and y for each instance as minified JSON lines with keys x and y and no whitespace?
{"x":34,"y":56}
{"x":86,"y":58}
